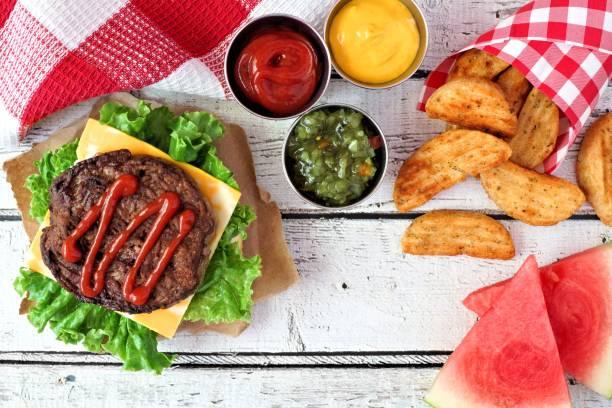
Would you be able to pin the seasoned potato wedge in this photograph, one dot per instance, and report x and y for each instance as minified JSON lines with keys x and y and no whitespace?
{"x":538,"y":128}
{"x":594,"y":167}
{"x":443,"y":161}
{"x":516,"y":88}
{"x":451,"y":233}
{"x":477,"y":63}
{"x":473,"y":103}
{"x":531,"y":197}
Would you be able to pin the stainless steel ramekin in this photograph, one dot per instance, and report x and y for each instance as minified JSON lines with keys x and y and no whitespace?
{"x":244,"y":34}
{"x":381,"y":158}
{"x":418,"y":60}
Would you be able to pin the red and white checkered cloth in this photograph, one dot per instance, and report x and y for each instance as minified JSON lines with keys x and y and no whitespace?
{"x":54,"y":53}
{"x":563,"y":47}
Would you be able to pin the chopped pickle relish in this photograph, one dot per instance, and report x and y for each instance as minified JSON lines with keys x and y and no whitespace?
{"x":333,"y":155}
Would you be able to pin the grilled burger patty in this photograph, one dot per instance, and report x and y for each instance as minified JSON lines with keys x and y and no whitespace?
{"x":74,"y":192}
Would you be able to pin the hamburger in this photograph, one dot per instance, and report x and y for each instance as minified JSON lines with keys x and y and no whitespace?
{"x":140,"y":230}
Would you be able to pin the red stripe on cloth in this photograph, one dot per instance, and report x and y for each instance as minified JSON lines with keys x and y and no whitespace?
{"x":28,"y":52}
{"x":6,"y":6}
{"x":567,"y":66}
{"x":520,"y":30}
{"x":598,"y":4}
{"x":559,"y":3}
{"x":556,"y":30}
{"x":590,"y":90}
{"x":594,"y":38}
{"x":70,"y":81}
{"x":130,"y":49}
{"x":196,"y":25}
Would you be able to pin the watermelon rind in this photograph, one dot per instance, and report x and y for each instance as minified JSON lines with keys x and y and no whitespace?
{"x":600,"y":377}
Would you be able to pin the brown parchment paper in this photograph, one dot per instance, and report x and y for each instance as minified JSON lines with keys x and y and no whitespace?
{"x":266,"y":236}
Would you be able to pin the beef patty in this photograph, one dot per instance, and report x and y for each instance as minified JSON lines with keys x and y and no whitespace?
{"x":75,"y":191}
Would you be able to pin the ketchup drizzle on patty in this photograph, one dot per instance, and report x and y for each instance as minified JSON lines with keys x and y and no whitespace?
{"x":166,"y":206}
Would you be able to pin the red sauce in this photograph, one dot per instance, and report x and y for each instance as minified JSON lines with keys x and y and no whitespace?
{"x":279,"y":70}
{"x":165,"y":206}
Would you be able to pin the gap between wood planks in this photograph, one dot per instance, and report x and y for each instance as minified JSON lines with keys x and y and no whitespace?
{"x":14,"y":215}
{"x":375,"y":359}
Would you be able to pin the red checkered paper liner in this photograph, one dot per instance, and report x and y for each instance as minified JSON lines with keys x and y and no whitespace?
{"x":563,"y":47}
{"x":54,"y":53}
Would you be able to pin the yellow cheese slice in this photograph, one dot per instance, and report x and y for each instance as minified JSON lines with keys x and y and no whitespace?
{"x":98,"y":138}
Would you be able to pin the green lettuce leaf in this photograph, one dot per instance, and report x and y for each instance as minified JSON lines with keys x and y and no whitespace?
{"x":212,"y":164}
{"x":191,"y":132}
{"x":187,"y":138}
{"x":225,"y":294}
{"x":158,"y":127}
{"x":51,"y":165}
{"x":98,"y":329}
{"x":126,"y":119}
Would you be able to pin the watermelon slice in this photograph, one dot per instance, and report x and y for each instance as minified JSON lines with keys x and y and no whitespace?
{"x":509,"y":358}
{"x":578,"y":293}
{"x":480,"y":300}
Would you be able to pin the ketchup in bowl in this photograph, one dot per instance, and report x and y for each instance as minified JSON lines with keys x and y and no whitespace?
{"x":279,"y":70}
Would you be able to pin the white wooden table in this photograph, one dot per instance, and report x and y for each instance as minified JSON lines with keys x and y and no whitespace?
{"x":365,"y":326}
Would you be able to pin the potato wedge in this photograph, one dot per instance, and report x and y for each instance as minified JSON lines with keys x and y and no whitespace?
{"x":477,"y":63}
{"x":445,"y":232}
{"x":516,"y":88}
{"x":473,"y":103}
{"x":594,"y":167}
{"x":443,"y":161}
{"x":538,"y":128}
{"x":529,"y":196}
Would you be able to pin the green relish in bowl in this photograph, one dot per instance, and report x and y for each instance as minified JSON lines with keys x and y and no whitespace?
{"x":332,"y":153}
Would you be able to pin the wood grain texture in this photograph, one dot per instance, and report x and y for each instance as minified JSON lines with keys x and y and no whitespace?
{"x":358,"y":293}
{"x":94,"y":387}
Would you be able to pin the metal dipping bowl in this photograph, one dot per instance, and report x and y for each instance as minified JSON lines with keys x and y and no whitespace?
{"x":418,"y":60}
{"x":253,"y":27}
{"x":372,"y":128}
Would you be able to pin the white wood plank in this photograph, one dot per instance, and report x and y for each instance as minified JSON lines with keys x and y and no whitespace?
{"x":405,"y":128}
{"x":109,"y":387}
{"x":357,"y":292}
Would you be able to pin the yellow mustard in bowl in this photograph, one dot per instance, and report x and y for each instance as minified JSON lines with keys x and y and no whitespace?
{"x":374,"y":41}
